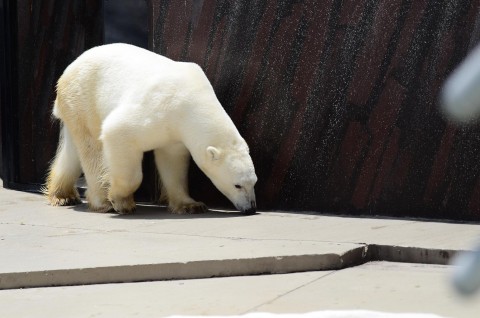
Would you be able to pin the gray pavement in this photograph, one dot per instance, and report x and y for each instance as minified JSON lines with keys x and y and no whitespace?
{"x":146,"y":263}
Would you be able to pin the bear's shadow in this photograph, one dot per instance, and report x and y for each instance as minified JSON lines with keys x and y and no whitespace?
{"x":158,"y":212}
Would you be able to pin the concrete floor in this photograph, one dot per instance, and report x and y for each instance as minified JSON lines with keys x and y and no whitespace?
{"x":107,"y":258}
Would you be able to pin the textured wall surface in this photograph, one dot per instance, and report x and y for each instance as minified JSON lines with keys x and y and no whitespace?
{"x":44,"y":37}
{"x":337,"y":99}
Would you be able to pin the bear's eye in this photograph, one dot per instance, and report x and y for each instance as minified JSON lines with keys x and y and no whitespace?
{"x":238,"y":186}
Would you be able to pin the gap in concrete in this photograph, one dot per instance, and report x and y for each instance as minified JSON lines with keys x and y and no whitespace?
{"x":402,"y":254}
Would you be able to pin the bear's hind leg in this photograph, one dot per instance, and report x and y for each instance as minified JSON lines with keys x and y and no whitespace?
{"x":64,"y":172}
{"x":124,"y":168}
{"x":172,"y":164}
{"x":91,"y":158}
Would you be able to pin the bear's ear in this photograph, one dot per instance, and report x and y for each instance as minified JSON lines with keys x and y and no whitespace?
{"x":214,"y":153}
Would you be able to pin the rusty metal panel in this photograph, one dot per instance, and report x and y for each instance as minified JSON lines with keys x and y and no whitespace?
{"x":338,"y":100}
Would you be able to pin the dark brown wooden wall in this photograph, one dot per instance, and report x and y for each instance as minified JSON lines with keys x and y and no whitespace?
{"x":43,"y":38}
{"x":337,"y":99}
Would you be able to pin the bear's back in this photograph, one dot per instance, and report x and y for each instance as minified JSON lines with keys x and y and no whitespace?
{"x":106,"y":76}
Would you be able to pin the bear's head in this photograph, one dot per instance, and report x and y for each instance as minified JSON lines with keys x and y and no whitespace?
{"x":231,"y":171}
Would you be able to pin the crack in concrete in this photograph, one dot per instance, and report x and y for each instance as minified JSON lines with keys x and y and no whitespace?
{"x":257,"y":307}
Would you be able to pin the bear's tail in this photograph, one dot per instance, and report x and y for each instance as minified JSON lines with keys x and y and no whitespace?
{"x":55,"y":110}
{"x":64,"y":171}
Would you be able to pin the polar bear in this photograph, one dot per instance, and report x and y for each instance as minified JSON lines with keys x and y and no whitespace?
{"x":117,"y":101}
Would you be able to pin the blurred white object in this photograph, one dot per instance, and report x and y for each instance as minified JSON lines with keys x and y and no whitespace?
{"x":466,"y":275}
{"x":326,"y":314}
{"x":460,"y":97}
{"x":460,"y":100}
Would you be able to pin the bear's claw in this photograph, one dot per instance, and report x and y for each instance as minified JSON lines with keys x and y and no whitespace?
{"x":124,"y":212}
{"x":124,"y":205}
{"x":107,"y":207}
{"x":189,"y":208}
{"x":61,"y":197}
{"x":68,"y":201}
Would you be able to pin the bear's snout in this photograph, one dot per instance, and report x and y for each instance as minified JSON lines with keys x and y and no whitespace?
{"x":251,"y":210}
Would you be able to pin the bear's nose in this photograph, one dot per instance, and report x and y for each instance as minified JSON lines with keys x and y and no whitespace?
{"x":250,"y":211}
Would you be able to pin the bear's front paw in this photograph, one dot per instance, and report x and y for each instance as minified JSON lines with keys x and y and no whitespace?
{"x":124,"y":205}
{"x":189,"y":208}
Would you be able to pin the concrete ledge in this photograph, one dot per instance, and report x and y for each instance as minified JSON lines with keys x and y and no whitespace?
{"x":223,"y":267}
{"x":189,"y":270}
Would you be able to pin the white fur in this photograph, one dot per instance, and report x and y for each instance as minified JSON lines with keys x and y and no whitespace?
{"x":118,"y":101}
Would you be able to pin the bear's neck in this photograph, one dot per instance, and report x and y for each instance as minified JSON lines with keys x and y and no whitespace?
{"x":204,"y":127}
